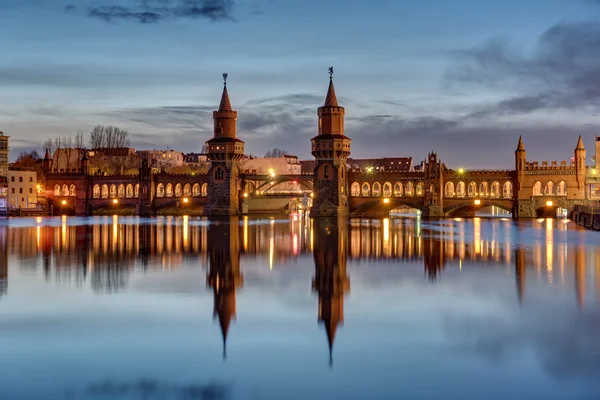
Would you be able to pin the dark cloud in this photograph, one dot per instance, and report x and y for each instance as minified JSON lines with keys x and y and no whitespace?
{"x":561,"y":72}
{"x":152,"y":11}
{"x":146,"y":388}
{"x":70,"y":8}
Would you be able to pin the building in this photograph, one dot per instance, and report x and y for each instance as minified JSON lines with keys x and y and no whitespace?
{"x":284,"y":165}
{"x":197,"y":162}
{"x":162,"y":160}
{"x":3,"y":170}
{"x":22,"y":188}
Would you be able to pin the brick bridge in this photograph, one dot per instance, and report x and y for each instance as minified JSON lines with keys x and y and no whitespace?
{"x":335,"y":187}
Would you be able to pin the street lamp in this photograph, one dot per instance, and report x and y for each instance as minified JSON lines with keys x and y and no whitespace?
{"x":461,"y":171}
{"x":186,"y":200}
{"x":245,"y":194}
{"x":64,"y":202}
{"x":386,"y":201}
{"x":477,"y":202}
{"x":549,"y":203}
{"x":115,"y":201}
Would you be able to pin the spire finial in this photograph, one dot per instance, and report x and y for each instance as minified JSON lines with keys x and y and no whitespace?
{"x":330,"y":73}
{"x":225,"y":75}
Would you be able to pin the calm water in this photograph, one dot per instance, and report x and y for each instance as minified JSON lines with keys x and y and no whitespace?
{"x":184,"y":308}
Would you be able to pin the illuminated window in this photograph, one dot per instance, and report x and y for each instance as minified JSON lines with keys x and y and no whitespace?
{"x":410,"y":189}
{"x":495,"y":191}
{"x":366,"y":189}
{"x":121,"y":191}
{"x":129,"y":190}
{"x":104,"y":191}
{"x":57,"y":190}
{"x":178,"y":191}
{"x":537,"y":188}
{"x":160,"y":190}
{"x":169,"y":190}
{"x":387,"y":189}
{"x":472,"y":191}
{"x":355,"y":189}
{"x":549,"y":188}
{"x":419,"y":190}
{"x":204,"y":192}
{"x":507,"y":190}
{"x":187,"y":190}
{"x":113,"y":191}
{"x":96,"y":191}
{"x":136,"y":191}
{"x":483,"y":189}
{"x":460,"y":189}
{"x":561,"y":189}
{"x":376,"y":189}
{"x":398,"y":189}
{"x":196,"y":190}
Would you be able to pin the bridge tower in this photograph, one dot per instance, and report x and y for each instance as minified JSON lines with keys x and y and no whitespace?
{"x":330,"y":148}
{"x":580,"y":165}
{"x":434,"y":186}
{"x":145,"y":193}
{"x":225,"y":152}
{"x":520,"y":161}
{"x":224,"y":275}
{"x":331,"y":281}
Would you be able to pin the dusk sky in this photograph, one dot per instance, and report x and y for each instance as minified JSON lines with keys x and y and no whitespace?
{"x":462,"y":77}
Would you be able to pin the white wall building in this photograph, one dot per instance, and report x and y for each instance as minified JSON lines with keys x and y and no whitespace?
{"x":22,"y":189}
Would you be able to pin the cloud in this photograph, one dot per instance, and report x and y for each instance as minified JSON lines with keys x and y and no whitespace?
{"x":153,"y":11}
{"x":146,"y":388}
{"x":70,"y":8}
{"x":561,"y":72}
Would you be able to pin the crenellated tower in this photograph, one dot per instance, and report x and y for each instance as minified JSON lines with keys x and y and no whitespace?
{"x":331,"y":281}
{"x":145,"y":194}
{"x":225,"y":152}
{"x":434,"y":186}
{"x":580,"y":167}
{"x":330,"y":148}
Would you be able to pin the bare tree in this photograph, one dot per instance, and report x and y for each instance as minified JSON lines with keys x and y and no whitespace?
{"x":275,"y":153}
{"x":109,"y":137}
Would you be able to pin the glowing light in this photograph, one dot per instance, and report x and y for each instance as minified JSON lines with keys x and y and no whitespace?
{"x":549,"y":203}
{"x":245,"y":194}
{"x":272,"y":172}
{"x":477,"y":202}
{"x":594,"y":172}
{"x":63,"y":202}
{"x":461,"y":170}
{"x":312,"y":195}
{"x":386,"y":201}
{"x":186,"y":200}
{"x":115,"y":201}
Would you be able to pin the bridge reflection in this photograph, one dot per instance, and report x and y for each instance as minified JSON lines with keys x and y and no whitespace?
{"x":106,"y":253}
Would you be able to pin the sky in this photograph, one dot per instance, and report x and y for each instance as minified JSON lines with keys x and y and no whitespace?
{"x":464,"y":78}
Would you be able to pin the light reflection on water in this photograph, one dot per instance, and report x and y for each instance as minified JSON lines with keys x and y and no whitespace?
{"x":292,"y":308}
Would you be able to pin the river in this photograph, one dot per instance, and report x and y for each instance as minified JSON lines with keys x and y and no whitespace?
{"x":292,"y":308}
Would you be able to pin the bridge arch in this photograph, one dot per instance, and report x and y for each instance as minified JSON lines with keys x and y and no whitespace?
{"x":378,"y":205}
{"x":265,"y":187}
{"x":471,"y":206}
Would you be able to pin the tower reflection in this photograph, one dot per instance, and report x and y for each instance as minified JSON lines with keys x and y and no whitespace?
{"x":224,"y":275}
{"x":3,"y":260}
{"x":330,"y":281}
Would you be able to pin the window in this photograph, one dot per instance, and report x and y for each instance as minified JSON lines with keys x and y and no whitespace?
{"x":537,"y":188}
{"x":410,"y":189}
{"x":326,"y":172}
{"x":13,"y":190}
{"x":204,"y":189}
{"x":376,"y":189}
{"x":129,"y":190}
{"x":56,"y":190}
{"x":121,"y":191}
{"x":113,"y":191}
{"x":355,"y":189}
{"x":419,"y":190}
{"x":398,"y":189}
{"x":483,"y":189}
{"x":549,"y":188}
{"x":187,"y":190}
{"x":507,"y":190}
{"x":449,"y":189}
{"x":495,"y":192}
{"x":96,"y":192}
{"x":160,"y":190}
{"x":136,"y":190}
{"x":65,"y":190}
{"x":561,"y":189}
{"x":12,"y":178}
{"x":31,"y":179}
{"x":169,"y":190}
{"x":104,"y":191}
{"x":20,"y":179}
{"x":219,"y":173}
{"x":72,"y":190}
{"x":366,"y":189}
{"x":460,"y":189}
{"x":178,"y":190}
{"x":387,"y":189}
{"x":30,"y":191}
{"x":472,"y":189}
{"x":196,"y":190}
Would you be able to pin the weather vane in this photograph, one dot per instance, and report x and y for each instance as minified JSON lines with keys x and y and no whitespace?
{"x":225,"y":75}
{"x":330,"y":72}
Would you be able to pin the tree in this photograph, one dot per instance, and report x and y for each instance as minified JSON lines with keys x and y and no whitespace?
{"x":109,"y":137}
{"x":27,"y":159}
{"x":275,"y":153}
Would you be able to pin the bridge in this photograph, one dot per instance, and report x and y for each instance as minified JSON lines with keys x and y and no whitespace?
{"x":335,"y":187}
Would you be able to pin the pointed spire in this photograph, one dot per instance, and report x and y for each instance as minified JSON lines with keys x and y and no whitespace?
{"x":580,"y":144}
{"x":331,"y":99}
{"x":224,"y":321}
{"x":47,"y":155}
{"x":225,"y":103}
{"x":330,"y":329}
{"x":520,"y":146}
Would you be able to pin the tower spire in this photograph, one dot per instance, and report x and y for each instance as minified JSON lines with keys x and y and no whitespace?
{"x":331,"y":99}
{"x":520,"y":146}
{"x":580,"y":144}
{"x":225,"y":103}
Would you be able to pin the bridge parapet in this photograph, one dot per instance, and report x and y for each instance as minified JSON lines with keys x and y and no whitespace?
{"x":553,"y":165}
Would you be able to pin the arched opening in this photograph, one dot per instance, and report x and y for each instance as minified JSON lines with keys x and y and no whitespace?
{"x":472,"y":190}
{"x":196,"y":189}
{"x":449,"y":189}
{"x":121,"y":191}
{"x":410,"y":189}
{"x":431,"y":189}
{"x":376,"y":189}
{"x":65,"y":190}
{"x":326,"y":171}
{"x":219,"y":174}
{"x":460,"y":189}
{"x":104,"y":191}
{"x":387,"y":189}
{"x":549,"y":188}
{"x":187,"y":189}
{"x":72,"y":190}
{"x":204,"y":192}
{"x":160,"y":190}
{"x":537,"y":188}
{"x":366,"y":189}
{"x":419,"y":189}
{"x":136,"y":191}
{"x":507,"y":190}
{"x":57,"y":190}
{"x":113,"y":191}
{"x":483,"y":189}
{"x":561,"y":188}
{"x":398,"y":189}
{"x":492,"y":211}
{"x":495,"y":190}
{"x":355,"y":189}
{"x":178,"y":190}
{"x":129,"y":190}
{"x":169,"y":190}
{"x":96,"y":191}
